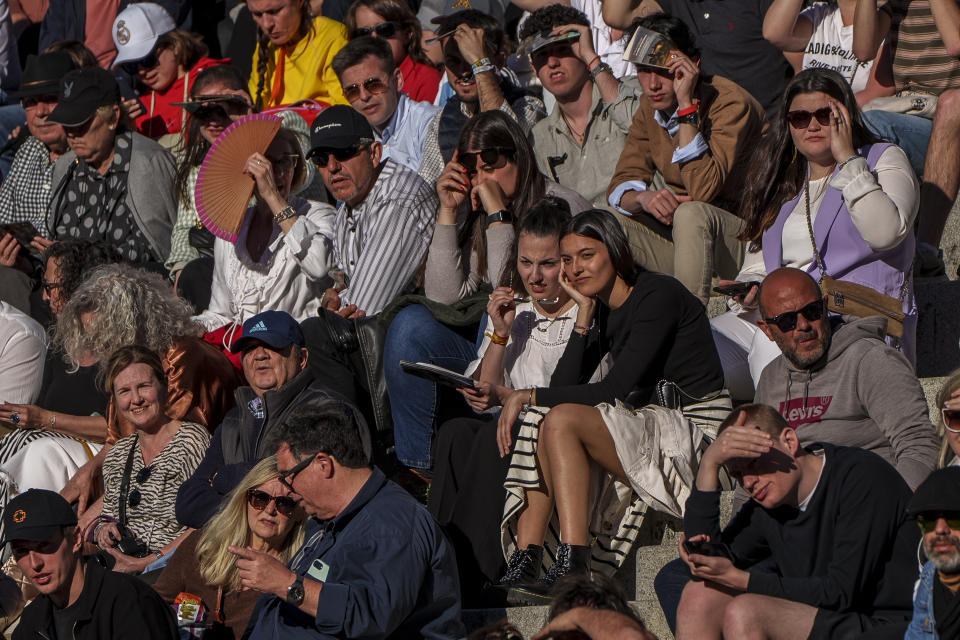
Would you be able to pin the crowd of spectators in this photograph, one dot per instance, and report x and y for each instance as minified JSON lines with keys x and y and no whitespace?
{"x":456,"y":350}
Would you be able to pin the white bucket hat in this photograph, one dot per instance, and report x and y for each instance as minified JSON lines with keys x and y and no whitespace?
{"x":137,"y":28}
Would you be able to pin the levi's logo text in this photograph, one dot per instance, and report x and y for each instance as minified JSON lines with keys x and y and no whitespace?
{"x":804,"y":411}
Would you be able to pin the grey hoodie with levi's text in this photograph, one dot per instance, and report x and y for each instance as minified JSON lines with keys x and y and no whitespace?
{"x":864,"y":394}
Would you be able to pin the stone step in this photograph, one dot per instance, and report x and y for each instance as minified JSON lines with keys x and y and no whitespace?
{"x":529,"y":620}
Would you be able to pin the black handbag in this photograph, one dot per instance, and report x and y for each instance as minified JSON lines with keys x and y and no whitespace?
{"x":202,"y":240}
{"x":129,"y":544}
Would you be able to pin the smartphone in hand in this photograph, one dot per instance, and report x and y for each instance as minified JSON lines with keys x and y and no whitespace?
{"x":736,"y":289}
{"x":708,"y":548}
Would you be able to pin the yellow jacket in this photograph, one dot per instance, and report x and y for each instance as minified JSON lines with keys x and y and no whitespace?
{"x":307,"y":73}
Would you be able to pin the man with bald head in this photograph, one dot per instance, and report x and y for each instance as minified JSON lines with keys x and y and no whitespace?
{"x":837,"y":381}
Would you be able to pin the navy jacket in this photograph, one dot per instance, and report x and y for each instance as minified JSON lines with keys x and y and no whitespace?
{"x":387,"y":572}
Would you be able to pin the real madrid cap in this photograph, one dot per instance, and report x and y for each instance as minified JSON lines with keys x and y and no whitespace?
{"x":137,"y":28}
{"x":36,"y":515}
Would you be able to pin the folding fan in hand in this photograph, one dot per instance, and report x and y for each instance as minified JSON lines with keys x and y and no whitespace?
{"x":223,"y":190}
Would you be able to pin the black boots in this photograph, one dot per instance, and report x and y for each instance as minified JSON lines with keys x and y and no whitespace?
{"x":571,"y":560}
{"x":523,"y":566}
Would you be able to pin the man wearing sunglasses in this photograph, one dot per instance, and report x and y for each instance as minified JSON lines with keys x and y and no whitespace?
{"x":824,"y":549}
{"x":372,"y":84}
{"x":579,"y":143}
{"x":374,"y":564}
{"x":936,"y":605}
{"x":697,"y":132}
{"x":837,"y":381}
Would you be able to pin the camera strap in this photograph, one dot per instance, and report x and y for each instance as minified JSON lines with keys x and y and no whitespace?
{"x":125,"y":483}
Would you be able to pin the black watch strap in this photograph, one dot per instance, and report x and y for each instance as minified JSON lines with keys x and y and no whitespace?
{"x":690,"y":118}
{"x":503,"y":215}
{"x":295,"y":592}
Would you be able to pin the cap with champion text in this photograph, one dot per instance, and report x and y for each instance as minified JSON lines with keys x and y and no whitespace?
{"x":35,"y":515}
{"x":42,"y":74}
{"x":275,"y":328}
{"x":939,"y":492}
{"x":137,"y":28}
{"x":339,"y":127}
{"x":82,"y":91}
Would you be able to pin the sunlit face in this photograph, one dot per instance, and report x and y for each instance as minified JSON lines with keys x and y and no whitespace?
{"x":140,"y":398}
{"x":93,"y":140}
{"x":217,"y":116}
{"x":366,"y":17}
{"x":503,"y":171}
{"x":52,"y":286}
{"x":377,"y":108}
{"x":308,"y":484}
{"x":350,"y":180}
{"x":587,"y":264}
{"x":160,"y":76}
{"x":657,"y":85}
{"x":278,"y":19}
{"x":538,"y":262}
{"x":459,"y":73}
{"x":812,"y":141}
{"x":559,"y":70}
{"x":49,"y":564}
{"x":270,"y":525}
{"x":809,"y":340}
{"x":37,"y":109}
{"x":267,"y":369}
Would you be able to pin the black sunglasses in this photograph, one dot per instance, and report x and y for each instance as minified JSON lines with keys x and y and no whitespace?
{"x":287,"y":476}
{"x":801,"y":119}
{"x":787,"y":321}
{"x":373,"y":86}
{"x":928,"y":521}
{"x":382,"y":30}
{"x":142,"y":476}
{"x":50,"y":286}
{"x":489,"y":156}
{"x":321,"y":157}
{"x":148,"y":62}
{"x":259,"y":500}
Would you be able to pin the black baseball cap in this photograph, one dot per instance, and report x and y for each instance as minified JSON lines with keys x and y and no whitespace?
{"x":81,"y":93}
{"x":940,"y":492}
{"x":35,"y":515}
{"x":339,"y":127}
{"x":275,"y":328}
{"x":43,"y":73}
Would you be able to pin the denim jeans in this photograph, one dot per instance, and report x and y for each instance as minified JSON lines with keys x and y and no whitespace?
{"x":910,"y":133}
{"x":11,"y":117}
{"x":415,"y":335}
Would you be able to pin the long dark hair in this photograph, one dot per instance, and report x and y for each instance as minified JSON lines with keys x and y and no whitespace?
{"x":195,"y":146}
{"x":777,"y":171}
{"x":265,"y":50}
{"x":546,"y":219}
{"x":393,"y":11}
{"x":602,"y":225}
{"x":495,"y":129}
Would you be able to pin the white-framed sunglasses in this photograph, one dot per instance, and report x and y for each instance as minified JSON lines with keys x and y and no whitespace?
{"x":951,"y":415}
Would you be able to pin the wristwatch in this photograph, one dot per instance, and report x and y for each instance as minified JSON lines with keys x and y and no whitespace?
{"x":503,"y":215}
{"x":690,"y":118}
{"x":285,"y":213}
{"x":295,"y":592}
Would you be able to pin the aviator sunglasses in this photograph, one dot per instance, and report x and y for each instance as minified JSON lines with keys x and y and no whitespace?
{"x":801,"y":119}
{"x":382,"y":30}
{"x":259,"y":500}
{"x":787,"y":321}
{"x":373,"y":86}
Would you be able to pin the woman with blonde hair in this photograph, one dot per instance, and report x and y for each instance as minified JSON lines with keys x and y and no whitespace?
{"x":257,"y":514}
{"x":948,"y":426}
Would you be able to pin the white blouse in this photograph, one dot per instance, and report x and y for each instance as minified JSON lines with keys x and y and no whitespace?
{"x":290,"y":276}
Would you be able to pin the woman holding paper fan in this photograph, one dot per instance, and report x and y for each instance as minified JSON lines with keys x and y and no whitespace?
{"x":282,"y":252}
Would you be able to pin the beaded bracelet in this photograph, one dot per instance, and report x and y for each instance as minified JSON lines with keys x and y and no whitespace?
{"x":495,"y":339}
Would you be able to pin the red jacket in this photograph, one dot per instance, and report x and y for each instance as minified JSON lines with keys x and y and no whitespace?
{"x":161,"y":117}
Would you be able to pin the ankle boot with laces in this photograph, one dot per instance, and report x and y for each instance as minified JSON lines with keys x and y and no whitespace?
{"x":571,"y":559}
{"x":523,"y":566}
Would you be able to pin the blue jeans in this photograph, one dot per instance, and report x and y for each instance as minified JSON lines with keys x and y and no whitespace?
{"x":11,"y":117}
{"x":415,"y":335}
{"x":910,"y":133}
{"x":669,"y":585}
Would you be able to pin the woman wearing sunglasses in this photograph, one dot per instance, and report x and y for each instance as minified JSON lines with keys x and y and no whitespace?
{"x":143,"y":471}
{"x":949,"y":427}
{"x":489,"y":187}
{"x":393,"y":21}
{"x":219,"y":98}
{"x":259,"y":514}
{"x":821,"y":179}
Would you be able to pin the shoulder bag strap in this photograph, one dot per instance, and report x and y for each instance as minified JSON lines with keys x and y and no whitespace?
{"x":125,"y":483}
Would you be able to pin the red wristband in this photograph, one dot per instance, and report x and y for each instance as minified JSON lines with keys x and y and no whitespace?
{"x":590,"y":64}
{"x":685,"y":112}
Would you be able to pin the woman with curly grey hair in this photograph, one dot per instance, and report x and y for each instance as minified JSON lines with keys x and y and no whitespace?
{"x":118,"y":305}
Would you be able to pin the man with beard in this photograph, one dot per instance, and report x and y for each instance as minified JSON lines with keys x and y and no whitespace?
{"x":936,"y":607}
{"x":838,"y":382}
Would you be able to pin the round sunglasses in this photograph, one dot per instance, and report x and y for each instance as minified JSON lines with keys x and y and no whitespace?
{"x":259,"y":500}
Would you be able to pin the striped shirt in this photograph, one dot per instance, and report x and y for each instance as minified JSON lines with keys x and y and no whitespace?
{"x":381,"y":243}
{"x":920,"y":59}
{"x":153,"y":520}
{"x":25,"y":194}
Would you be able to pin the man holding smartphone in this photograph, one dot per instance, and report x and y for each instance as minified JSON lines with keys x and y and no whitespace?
{"x":824,"y":549}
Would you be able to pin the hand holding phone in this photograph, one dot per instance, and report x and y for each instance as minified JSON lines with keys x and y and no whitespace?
{"x":736,"y":288}
{"x":708,"y":548}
